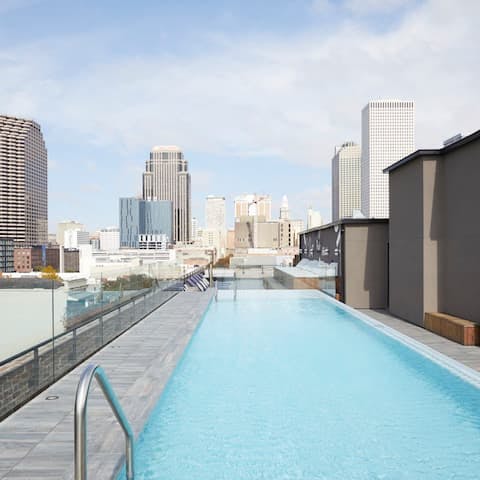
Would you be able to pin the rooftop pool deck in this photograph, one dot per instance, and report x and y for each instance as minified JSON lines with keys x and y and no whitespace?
{"x":36,"y":442}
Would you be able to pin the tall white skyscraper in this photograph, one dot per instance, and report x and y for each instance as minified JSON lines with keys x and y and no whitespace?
{"x":194,"y":231}
{"x":388,"y":134}
{"x":253,"y":205}
{"x":284,"y":210}
{"x":215,"y":213}
{"x":167,"y":178}
{"x":314,"y":218}
{"x":346,"y":174}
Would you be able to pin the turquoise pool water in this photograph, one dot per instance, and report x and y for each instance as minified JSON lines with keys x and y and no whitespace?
{"x":287,"y":385}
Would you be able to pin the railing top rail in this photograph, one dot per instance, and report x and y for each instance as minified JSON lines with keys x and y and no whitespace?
{"x":81,"y":400}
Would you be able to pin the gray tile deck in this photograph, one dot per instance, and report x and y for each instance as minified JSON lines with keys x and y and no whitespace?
{"x":36,"y":442}
{"x":469,"y":356}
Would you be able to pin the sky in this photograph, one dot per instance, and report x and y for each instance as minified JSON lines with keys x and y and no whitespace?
{"x":256,"y":93}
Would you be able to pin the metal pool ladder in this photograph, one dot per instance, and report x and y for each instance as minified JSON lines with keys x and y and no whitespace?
{"x":81,"y":400}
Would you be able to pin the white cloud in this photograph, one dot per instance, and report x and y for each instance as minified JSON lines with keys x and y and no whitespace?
{"x":91,"y":187}
{"x":294,"y":98}
{"x":321,"y":6}
{"x":366,"y":7}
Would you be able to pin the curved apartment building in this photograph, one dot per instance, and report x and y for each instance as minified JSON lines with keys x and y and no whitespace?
{"x":23,"y":182}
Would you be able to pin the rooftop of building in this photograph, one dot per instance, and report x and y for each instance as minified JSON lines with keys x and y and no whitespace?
{"x":166,"y":148}
{"x":347,"y":221}
{"x":28,"y":283}
{"x":436,"y":151}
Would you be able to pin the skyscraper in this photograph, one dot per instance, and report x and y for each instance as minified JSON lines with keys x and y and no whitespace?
{"x":215,"y":213}
{"x":284,"y":210}
{"x":194,"y":231}
{"x":346,"y":174}
{"x":167,"y":178}
{"x":23,"y":182}
{"x":142,"y":217}
{"x":388,"y":134}
{"x":253,"y":205}
{"x":314,"y":218}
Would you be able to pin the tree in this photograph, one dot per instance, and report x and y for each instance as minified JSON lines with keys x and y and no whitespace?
{"x":50,"y":273}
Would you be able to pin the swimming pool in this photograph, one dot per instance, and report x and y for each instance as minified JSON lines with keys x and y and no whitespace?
{"x":290,"y":385}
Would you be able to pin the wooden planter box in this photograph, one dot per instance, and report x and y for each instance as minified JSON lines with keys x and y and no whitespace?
{"x":457,"y":329}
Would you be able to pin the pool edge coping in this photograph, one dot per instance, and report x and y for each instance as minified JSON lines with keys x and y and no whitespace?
{"x":466,"y":373}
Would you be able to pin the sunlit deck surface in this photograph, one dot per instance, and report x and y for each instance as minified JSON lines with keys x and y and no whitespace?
{"x":36,"y":442}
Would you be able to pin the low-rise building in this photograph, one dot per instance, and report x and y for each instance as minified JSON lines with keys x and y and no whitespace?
{"x":27,"y":259}
{"x":71,"y":260}
{"x":109,"y":239}
{"x":358,"y":251}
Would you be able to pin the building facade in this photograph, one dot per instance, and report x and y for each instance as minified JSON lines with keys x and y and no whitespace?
{"x":194,"y":231}
{"x":75,"y":237}
{"x":27,"y":259}
{"x":7,"y":255}
{"x":152,"y":242}
{"x":346,"y":180}
{"x":284,"y":210}
{"x":253,"y":205}
{"x":314,"y":218}
{"x":67,"y":225}
{"x":434,"y":232}
{"x":388,"y":134}
{"x":166,"y":178}
{"x":109,"y":239}
{"x":23,"y":182}
{"x":215,"y":213}
{"x":141,"y":217}
{"x":357,"y":249}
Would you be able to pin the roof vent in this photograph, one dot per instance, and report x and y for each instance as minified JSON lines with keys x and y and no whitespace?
{"x":453,"y":139}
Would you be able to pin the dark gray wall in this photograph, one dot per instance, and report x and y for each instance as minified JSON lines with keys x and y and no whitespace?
{"x":459,"y":250}
{"x":406,"y":242}
{"x":435,"y":235}
{"x":366,"y":265}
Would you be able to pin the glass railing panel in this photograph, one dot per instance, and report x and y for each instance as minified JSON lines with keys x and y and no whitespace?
{"x":49,"y":327}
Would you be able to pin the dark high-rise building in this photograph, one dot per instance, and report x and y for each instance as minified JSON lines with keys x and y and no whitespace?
{"x":23,"y":182}
{"x":167,"y":178}
{"x":140,"y":217}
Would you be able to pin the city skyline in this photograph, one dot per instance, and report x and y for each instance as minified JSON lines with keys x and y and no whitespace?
{"x":267,"y":113}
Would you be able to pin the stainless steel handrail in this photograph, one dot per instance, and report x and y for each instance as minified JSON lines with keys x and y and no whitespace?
{"x":81,"y":400}
{"x":216,"y":290}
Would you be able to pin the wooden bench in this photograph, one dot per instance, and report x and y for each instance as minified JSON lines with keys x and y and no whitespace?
{"x":457,"y":329}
